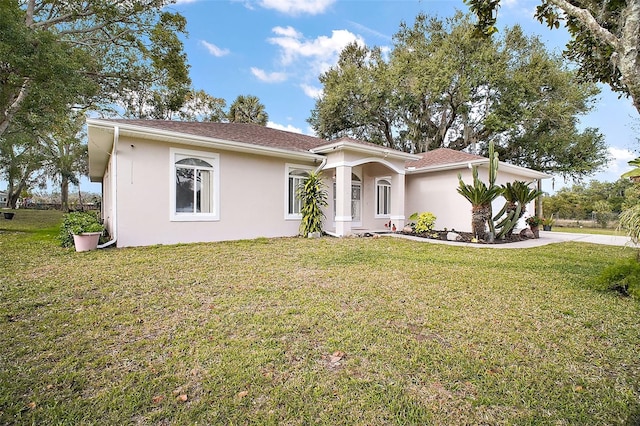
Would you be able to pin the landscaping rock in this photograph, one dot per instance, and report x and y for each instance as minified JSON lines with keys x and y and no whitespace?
{"x":452,"y":236}
{"x":407,"y":229}
{"x":527,"y":233}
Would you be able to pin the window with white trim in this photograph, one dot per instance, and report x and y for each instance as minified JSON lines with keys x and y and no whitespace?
{"x":383,"y":197}
{"x":296,"y":176}
{"x":195,"y":186}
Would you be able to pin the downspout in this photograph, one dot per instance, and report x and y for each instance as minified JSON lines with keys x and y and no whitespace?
{"x":324,"y":162}
{"x":114,"y":191}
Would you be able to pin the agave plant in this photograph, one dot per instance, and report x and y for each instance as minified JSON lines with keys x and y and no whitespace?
{"x":480,"y":196}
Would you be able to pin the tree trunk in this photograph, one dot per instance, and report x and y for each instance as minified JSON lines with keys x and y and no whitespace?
{"x":479,"y":215}
{"x":64,"y":194}
{"x":13,"y":194}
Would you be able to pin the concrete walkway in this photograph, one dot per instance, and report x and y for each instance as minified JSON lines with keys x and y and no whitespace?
{"x":550,"y":237}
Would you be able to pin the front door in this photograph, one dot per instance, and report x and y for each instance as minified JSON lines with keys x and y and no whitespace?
{"x":356,"y":204}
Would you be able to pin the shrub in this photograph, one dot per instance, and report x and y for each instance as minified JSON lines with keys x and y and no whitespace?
{"x":314,"y":197}
{"x":622,"y":276}
{"x":425,"y":222}
{"x":77,"y":223}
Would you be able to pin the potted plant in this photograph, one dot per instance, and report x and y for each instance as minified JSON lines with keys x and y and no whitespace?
{"x":82,"y":229}
{"x":547,"y":223}
{"x":534,"y":223}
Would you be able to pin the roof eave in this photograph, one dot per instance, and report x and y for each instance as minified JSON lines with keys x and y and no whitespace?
{"x":143,"y":132}
{"x":523,"y":171}
{"x":365,"y":149}
{"x":448,"y":166}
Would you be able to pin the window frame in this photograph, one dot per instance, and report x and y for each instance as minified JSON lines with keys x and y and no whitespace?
{"x":212,"y":158}
{"x":287,"y":174}
{"x":388,"y":186}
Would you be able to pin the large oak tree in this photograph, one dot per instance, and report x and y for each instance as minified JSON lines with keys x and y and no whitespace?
{"x":441,"y":86}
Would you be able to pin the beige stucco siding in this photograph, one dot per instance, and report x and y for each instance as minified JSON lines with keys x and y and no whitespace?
{"x":436,"y":192}
{"x":252,"y":191}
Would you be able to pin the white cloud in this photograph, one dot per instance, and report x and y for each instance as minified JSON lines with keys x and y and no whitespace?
{"x":273,"y":77}
{"x":310,"y":91}
{"x":297,"y":7}
{"x":321,"y":50}
{"x":288,"y":127}
{"x":213,"y":49}
{"x":619,"y":159}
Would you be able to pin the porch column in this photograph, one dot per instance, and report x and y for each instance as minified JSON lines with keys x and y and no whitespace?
{"x":343,"y":201}
{"x":397,"y":201}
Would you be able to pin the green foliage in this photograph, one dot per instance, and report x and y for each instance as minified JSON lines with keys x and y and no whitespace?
{"x":548,"y":221}
{"x":314,"y":197}
{"x":247,"y":109}
{"x":534,"y":221}
{"x":579,"y":200}
{"x":602,"y":213}
{"x":480,"y":196}
{"x":425,"y":222}
{"x":629,"y":222}
{"x":522,"y":97}
{"x":78,"y":223}
{"x":603,"y":40}
{"x":622,"y":276}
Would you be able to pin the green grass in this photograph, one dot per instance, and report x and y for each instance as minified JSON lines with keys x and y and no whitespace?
{"x":586,"y":230}
{"x":426,"y":334}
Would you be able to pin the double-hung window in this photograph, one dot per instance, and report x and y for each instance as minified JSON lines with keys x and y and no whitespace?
{"x":383,"y":197}
{"x":195,"y":189}
{"x":296,"y":176}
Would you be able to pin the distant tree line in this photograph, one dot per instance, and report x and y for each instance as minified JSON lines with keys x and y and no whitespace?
{"x":592,"y":200}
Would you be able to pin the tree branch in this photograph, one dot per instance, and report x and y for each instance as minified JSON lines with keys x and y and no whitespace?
{"x":15,"y":105}
{"x":587,"y":19}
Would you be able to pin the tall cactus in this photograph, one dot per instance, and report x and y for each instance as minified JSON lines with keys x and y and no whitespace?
{"x":493,"y":174}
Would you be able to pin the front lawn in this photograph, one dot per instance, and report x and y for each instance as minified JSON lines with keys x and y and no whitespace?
{"x":354,"y":331}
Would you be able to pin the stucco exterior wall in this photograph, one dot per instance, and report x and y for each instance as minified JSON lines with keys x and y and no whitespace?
{"x":436,"y":192}
{"x":252,"y":192}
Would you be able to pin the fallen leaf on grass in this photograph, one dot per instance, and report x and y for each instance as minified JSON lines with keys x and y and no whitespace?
{"x":336,"y":357}
{"x":243,"y":394}
{"x":182,"y":398}
{"x":31,"y":405}
{"x":157,"y":399}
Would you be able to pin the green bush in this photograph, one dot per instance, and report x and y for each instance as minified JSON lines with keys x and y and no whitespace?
{"x":425,"y":222}
{"x":623,"y":276}
{"x":77,"y":223}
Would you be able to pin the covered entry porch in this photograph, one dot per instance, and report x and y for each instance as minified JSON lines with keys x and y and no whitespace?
{"x":366,"y":188}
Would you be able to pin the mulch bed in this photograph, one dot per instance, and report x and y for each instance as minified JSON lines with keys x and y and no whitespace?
{"x":466,"y":237}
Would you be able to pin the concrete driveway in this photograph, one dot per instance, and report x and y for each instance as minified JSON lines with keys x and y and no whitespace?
{"x":546,"y":237}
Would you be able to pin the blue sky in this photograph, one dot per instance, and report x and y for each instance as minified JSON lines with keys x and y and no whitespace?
{"x":276,"y":49}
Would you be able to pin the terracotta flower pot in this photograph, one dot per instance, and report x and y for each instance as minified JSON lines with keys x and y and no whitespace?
{"x":86,"y":241}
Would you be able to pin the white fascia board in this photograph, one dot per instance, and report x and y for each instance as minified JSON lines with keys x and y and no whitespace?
{"x":518,"y":170}
{"x":523,"y":171}
{"x":143,"y":132}
{"x":366,"y":149}
{"x":450,"y":166}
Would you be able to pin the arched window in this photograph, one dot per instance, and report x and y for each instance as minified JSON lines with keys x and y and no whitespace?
{"x":383,"y":197}
{"x":195,"y":192}
{"x":296,"y":178}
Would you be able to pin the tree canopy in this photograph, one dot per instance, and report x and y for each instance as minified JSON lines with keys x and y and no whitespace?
{"x":442,"y":86}
{"x":247,"y":109}
{"x":605,"y":37}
